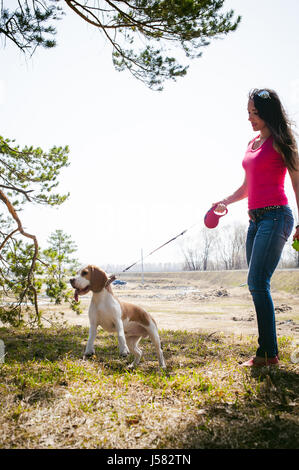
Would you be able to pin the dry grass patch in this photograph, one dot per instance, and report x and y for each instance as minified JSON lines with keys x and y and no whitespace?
{"x":51,"y":398}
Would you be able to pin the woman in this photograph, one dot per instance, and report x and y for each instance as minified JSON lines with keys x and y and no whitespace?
{"x":268,"y":157}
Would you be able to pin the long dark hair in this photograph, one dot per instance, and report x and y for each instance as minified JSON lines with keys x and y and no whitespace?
{"x":271,"y":111}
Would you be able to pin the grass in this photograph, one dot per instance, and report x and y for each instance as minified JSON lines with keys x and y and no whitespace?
{"x":51,"y":398}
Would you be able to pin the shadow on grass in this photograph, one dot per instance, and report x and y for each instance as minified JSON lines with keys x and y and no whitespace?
{"x":180,"y":348}
{"x":52,"y":344}
{"x":265,"y":417}
{"x":228,"y":429}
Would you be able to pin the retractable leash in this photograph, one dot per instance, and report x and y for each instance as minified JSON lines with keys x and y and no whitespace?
{"x":159,"y":247}
{"x":113,"y":277}
{"x":212,"y":217}
{"x":211,"y":220}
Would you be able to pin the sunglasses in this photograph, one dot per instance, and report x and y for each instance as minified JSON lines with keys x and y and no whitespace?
{"x":264,"y":94}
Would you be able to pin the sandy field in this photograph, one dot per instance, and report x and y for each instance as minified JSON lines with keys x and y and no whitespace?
{"x":214,"y":302}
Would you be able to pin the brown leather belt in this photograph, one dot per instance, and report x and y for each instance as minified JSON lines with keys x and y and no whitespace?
{"x":256,"y":214}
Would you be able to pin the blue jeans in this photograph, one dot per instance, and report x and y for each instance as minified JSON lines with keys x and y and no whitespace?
{"x":266,"y":238}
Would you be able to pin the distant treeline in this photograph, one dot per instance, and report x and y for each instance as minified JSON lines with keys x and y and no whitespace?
{"x":219,"y":249}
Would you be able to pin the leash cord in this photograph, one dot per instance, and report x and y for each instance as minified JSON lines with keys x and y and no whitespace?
{"x":159,"y":247}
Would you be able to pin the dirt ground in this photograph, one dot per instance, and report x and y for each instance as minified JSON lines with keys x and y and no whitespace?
{"x":193,"y":305}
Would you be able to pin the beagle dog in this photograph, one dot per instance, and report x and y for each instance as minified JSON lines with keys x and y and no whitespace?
{"x":129,"y":321}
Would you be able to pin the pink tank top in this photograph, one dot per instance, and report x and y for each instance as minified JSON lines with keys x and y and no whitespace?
{"x":265,"y":172}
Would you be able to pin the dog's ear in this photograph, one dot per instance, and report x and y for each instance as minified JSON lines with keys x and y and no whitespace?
{"x":98,"y":278}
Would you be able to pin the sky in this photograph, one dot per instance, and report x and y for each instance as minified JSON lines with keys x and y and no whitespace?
{"x":146,"y":165}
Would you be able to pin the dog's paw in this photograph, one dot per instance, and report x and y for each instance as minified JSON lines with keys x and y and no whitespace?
{"x":131,"y":366}
{"x":124,"y":353}
{"x":88,"y":354}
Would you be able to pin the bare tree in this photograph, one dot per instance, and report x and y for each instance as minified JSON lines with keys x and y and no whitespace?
{"x":231,"y":246}
{"x":197,"y":255}
{"x":220,"y":248}
{"x":239,"y":246}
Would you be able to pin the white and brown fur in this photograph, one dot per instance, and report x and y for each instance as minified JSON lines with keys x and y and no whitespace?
{"x":130,"y":321}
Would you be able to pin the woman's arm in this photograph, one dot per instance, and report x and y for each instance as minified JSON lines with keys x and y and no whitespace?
{"x":294,"y":175}
{"x":240,"y":193}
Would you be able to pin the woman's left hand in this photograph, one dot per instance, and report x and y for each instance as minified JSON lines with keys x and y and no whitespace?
{"x":296,"y":235}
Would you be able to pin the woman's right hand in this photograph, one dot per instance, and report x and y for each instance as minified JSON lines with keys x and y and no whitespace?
{"x":220,"y":206}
